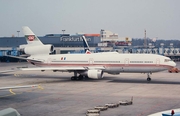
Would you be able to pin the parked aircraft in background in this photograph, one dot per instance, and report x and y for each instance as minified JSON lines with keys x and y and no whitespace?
{"x":87,"y":48}
{"x":91,"y":65}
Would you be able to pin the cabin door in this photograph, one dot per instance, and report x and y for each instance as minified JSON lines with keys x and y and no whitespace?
{"x":91,"y":61}
{"x":49,"y":61}
{"x":126,"y":62}
{"x":157,"y":62}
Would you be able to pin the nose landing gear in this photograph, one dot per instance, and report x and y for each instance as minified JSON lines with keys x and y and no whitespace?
{"x":148,"y":77}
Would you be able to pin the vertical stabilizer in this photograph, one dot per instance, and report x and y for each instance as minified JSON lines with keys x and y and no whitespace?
{"x":86,"y":46}
{"x":31,"y":38}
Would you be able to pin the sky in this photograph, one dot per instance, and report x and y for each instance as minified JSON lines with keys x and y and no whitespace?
{"x":128,"y":18}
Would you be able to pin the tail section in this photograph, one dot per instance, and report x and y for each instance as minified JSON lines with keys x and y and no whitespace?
{"x":34,"y":45}
{"x":86,"y":46}
{"x":31,"y":38}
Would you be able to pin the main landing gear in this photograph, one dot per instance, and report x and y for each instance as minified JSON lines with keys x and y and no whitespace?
{"x":148,"y":77}
{"x":75,"y":77}
{"x":80,"y":77}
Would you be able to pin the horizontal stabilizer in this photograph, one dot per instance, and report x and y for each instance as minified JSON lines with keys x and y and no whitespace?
{"x":22,"y":58}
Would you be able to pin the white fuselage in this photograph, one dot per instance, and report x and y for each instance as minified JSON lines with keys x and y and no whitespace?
{"x":112,"y":63}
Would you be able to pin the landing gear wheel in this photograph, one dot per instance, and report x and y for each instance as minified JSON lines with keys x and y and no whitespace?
{"x":80,"y":77}
{"x":73,"y":78}
{"x":77,"y":78}
{"x":148,"y":79}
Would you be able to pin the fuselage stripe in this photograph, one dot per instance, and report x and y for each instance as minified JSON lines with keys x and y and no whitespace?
{"x":106,"y":65}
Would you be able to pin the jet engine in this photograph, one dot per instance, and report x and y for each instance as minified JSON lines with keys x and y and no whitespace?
{"x":94,"y":74}
{"x":38,"y":49}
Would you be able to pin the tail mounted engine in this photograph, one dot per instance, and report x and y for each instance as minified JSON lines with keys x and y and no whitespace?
{"x":38,"y":49}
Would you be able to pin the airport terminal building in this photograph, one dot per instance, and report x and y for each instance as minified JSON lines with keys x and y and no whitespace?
{"x":66,"y":43}
{"x":58,"y":40}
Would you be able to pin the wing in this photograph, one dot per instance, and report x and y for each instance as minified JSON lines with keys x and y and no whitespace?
{"x":34,"y":60}
{"x":63,"y":68}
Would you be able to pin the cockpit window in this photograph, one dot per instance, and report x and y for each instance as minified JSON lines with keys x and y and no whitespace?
{"x":167,"y":60}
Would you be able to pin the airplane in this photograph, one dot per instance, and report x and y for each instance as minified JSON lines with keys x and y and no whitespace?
{"x":90,"y":65}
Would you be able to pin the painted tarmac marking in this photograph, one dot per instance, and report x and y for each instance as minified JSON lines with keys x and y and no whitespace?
{"x":40,"y":87}
{"x":17,"y":75}
{"x":10,"y":90}
{"x":6,"y":95}
{"x":13,"y":93}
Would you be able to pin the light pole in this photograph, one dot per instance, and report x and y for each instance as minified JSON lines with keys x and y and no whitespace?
{"x":18,"y":33}
{"x":63,"y":35}
{"x":102,"y":38}
{"x":63,"y":31}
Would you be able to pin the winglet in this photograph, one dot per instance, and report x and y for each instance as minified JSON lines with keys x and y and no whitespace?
{"x":31,"y":38}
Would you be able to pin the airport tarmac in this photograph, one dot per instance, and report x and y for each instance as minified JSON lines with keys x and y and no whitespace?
{"x":62,"y":97}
